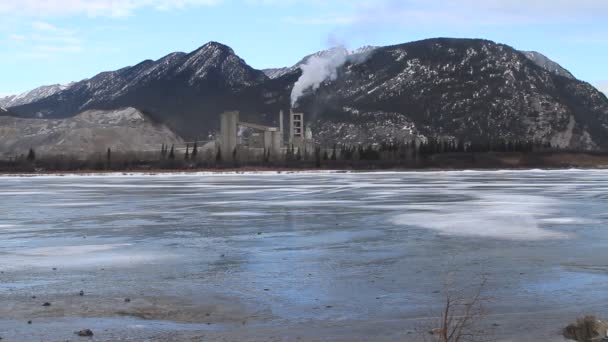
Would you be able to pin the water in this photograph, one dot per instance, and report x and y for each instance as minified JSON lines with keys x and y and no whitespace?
{"x":335,"y":256}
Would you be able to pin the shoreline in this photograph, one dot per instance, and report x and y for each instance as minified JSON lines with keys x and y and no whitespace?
{"x":279,"y":171}
{"x":490,"y":161}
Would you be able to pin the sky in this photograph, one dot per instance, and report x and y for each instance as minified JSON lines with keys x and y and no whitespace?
{"x":59,"y":41}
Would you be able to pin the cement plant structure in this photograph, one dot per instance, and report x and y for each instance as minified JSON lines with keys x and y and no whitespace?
{"x":300,"y":136}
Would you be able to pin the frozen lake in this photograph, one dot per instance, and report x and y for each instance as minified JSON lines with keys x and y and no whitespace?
{"x":338,"y":257}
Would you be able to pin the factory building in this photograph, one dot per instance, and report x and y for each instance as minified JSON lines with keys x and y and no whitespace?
{"x":266,"y":138}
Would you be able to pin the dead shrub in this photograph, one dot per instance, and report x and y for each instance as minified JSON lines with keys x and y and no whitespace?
{"x":586,"y":329}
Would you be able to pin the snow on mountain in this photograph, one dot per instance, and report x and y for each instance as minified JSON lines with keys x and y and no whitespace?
{"x":33,"y":95}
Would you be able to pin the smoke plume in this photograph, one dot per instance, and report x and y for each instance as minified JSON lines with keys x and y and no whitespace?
{"x":318,"y":69}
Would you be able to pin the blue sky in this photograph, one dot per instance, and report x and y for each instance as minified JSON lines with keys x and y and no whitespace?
{"x":58,"y":41}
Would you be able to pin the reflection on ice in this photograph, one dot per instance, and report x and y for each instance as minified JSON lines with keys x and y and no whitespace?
{"x":84,"y":256}
{"x":239,"y":213}
{"x":500,"y":217}
{"x":69,"y":250}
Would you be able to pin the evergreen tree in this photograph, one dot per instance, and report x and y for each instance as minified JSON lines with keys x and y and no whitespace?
{"x":334,"y":153}
{"x":187,"y":155}
{"x":162,"y":150}
{"x":108,"y":157}
{"x":218,"y":155}
{"x":172,"y":153}
{"x":318,"y":157}
{"x":194,"y":150}
{"x":289,"y":153}
{"x":325,"y":155}
{"x":31,"y":155}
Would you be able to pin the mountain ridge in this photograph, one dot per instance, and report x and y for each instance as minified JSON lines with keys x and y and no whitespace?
{"x":432,"y":87}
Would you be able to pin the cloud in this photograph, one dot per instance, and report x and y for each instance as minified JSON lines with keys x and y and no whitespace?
{"x":19,"y":38}
{"x":44,"y":40}
{"x":43,"y":26}
{"x":93,"y":8}
{"x":469,"y":12}
{"x":58,"y":48}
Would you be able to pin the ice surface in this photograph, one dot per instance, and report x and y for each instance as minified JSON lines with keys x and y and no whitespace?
{"x":375,"y":247}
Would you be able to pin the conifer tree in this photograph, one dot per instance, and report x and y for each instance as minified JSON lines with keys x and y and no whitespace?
{"x":218,"y":155}
{"x":318,"y":157}
{"x":187,"y":155}
{"x":31,"y":155}
{"x":172,"y":153}
{"x":194,"y":151}
{"x":163,"y":150}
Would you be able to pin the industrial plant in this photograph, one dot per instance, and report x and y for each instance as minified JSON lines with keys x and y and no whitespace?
{"x":263,"y":140}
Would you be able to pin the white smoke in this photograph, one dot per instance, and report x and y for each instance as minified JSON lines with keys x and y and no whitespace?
{"x":318,"y":69}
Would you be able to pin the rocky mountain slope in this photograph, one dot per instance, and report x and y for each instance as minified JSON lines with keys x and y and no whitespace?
{"x":90,"y":132}
{"x":32,"y":95}
{"x":469,"y":89}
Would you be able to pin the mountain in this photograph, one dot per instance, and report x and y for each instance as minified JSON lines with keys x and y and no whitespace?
{"x":186,"y":91}
{"x":32,"y":95}
{"x":545,"y":63}
{"x":462,"y":88}
{"x":468,"y":89}
{"x":89,"y":132}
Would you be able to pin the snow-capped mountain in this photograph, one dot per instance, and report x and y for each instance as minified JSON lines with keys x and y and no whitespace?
{"x":470,"y":89}
{"x":32,"y":95}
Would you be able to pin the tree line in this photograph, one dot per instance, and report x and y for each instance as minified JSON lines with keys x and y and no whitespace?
{"x":413,"y":153}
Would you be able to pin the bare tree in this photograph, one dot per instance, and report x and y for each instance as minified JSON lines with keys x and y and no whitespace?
{"x":461,"y":316}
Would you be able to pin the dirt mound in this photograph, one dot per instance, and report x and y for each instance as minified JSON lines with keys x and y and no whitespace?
{"x":94,"y":131}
